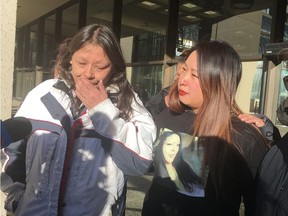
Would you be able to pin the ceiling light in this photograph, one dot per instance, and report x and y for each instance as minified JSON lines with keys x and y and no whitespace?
{"x":210,"y":12}
{"x":165,"y":11}
{"x":189,"y":5}
{"x":149,"y":5}
{"x":190,"y":17}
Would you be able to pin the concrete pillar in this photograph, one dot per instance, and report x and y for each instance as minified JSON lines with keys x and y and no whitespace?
{"x":8,"y":30}
{"x":7,"y":38}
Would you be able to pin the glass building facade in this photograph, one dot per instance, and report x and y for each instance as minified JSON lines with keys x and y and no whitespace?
{"x":152,"y":34}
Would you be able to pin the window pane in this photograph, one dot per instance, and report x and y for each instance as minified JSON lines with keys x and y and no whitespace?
{"x":256,"y":88}
{"x":145,"y":26}
{"x":33,"y":45}
{"x":247,"y":33}
{"x":283,"y":93}
{"x":146,"y":80}
{"x":49,"y":42}
{"x":99,"y":12}
{"x":70,"y":21}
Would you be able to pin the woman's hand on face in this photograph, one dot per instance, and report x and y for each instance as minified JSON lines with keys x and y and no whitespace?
{"x":251,"y":119}
{"x":88,"y":93}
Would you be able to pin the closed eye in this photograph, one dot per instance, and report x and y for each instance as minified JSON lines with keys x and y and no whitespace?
{"x":103,"y":68}
{"x":183,"y":69}
{"x":194,"y":75}
{"x":82,"y":63}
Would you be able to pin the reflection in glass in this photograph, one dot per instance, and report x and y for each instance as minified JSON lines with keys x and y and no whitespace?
{"x":283,"y":92}
{"x":145,"y":25}
{"x":146,"y":80}
{"x":33,"y":45}
{"x":256,"y":88}
{"x":247,"y":33}
{"x":99,"y":12}
{"x":70,"y":21}
{"x":187,"y":37}
{"x":49,"y":42}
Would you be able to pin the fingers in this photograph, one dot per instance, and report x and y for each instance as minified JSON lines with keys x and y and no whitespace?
{"x":251,"y":119}
{"x":89,"y":93}
{"x":101,"y":86}
{"x":83,"y":88}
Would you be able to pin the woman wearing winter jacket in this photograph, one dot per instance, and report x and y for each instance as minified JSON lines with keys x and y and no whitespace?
{"x":90,"y":130}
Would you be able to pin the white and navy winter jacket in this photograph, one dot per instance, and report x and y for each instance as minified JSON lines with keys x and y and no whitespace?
{"x":74,"y":166}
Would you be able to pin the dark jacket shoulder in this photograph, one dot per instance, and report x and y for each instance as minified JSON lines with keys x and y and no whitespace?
{"x":250,"y":141}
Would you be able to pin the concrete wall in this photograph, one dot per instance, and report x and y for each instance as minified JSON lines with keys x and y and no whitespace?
{"x":7,"y":29}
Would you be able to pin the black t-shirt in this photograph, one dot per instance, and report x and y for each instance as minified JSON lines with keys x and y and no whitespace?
{"x":182,"y":186}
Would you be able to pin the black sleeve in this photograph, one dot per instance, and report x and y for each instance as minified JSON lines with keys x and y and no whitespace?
{"x":276,"y":134}
{"x":269,"y":130}
{"x":156,"y":104}
{"x":252,"y":144}
{"x":13,"y":161}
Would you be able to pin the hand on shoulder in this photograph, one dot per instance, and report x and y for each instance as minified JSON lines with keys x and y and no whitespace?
{"x":252,"y":119}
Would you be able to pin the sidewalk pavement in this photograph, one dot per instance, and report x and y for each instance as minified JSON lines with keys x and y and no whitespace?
{"x":137,"y":187}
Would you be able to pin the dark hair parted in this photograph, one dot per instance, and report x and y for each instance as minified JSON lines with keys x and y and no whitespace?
{"x":103,"y":36}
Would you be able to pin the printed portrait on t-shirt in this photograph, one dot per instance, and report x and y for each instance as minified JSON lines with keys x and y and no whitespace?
{"x":178,"y":163}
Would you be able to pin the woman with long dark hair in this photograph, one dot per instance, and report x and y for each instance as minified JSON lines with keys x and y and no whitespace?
{"x":90,"y":130}
{"x":222,"y":150}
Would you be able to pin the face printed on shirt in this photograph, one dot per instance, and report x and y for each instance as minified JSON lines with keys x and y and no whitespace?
{"x":170,"y":148}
